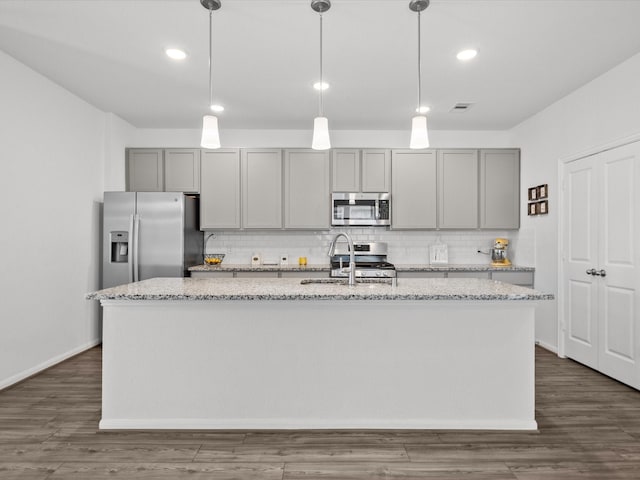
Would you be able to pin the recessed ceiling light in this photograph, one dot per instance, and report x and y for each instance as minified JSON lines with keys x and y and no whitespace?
{"x":176,"y":53}
{"x":465,"y":55}
{"x":423,"y":109}
{"x":217,"y":108}
{"x":325,"y":85}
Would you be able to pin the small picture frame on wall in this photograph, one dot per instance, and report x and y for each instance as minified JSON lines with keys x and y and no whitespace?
{"x":542,"y":207}
{"x":532,"y":210}
{"x":533,"y":194}
{"x":543,"y":191}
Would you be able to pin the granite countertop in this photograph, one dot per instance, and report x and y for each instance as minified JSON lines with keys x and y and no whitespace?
{"x":293,"y":289}
{"x":418,"y":267}
{"x":243,"y":267}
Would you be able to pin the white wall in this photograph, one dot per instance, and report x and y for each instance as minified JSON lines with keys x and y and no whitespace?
{"x":52,"y":153}
{"x":119,"y":135}
{"x":600,"y":112}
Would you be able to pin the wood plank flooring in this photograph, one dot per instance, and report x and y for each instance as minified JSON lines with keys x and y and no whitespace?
{"x":589,"y":429}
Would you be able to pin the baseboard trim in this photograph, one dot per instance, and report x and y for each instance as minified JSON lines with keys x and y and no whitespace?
{"x":19,"y":377}
{"x":312,"y":424}
{"x":547,"y":346}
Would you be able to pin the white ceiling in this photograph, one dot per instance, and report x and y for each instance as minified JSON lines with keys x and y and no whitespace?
{"x":111,"y":53}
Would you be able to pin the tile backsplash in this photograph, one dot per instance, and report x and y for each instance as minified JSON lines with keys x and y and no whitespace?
{"x":404,"y":246}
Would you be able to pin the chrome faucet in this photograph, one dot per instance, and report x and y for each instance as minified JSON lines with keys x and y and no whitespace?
{"x":352,"y":255}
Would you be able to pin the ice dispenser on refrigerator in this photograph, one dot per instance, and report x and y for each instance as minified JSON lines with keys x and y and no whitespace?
{"x":119,"y":242}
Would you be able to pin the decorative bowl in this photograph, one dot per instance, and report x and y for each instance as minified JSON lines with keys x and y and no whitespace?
{"x":213,"y":258}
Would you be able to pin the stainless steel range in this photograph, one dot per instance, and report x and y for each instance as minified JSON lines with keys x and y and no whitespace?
{"x":370,"y":258}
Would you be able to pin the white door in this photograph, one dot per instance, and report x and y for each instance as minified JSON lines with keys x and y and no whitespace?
{"x":601,"y":230}
{"x":580,"y":257}
{"x":618,"y":261}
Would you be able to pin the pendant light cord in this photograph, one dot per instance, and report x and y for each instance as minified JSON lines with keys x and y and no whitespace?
{"x":419,"y":67}
{"x":321,"y":79}
{"x":210,"y":63}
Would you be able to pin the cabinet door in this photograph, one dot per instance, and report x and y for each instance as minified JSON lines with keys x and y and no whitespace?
{"x":524,"y":279}
{"x":262,"y":188}
{"x":145,"y":170}
{"x":457,"y":189}
{"x":306,"y":189}
{"x":346,"y":170}
{"x":376,"y":170}
{"x":413,"y":189}
{"x":500,"y":189}
{"x":182,"y":170}
{"x":220,"y":189}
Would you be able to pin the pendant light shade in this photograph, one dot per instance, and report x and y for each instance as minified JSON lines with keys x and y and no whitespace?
{"x":419,"y":132}
{"x":210,"y":135}
{"x":321,"y":140}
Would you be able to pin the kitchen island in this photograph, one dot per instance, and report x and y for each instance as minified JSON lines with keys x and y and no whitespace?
{"x":279,"y":354}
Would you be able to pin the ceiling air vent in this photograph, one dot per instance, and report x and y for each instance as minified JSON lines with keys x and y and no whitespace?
{"x":461,"y":107}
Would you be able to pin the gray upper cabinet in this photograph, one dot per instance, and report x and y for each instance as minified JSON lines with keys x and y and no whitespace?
{"x":457,"y":189}
{"x":145,"y":171}
{"x":182,"y":170}
{"x":413,"y":189}
{"x":356,"y":170}
{"x":345,"y":165}
{"x":306,"y":189}
{"x":220,"y":189}
{"x":500,"y":189}
{"x":262,"y":188}
{"x":376,"y":170}
{"x":168,"y":170}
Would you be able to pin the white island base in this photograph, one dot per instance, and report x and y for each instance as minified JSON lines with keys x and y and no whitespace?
{"x":318,"y":364}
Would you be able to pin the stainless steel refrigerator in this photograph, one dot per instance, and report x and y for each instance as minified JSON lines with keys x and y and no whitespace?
{"x":149,"y":234}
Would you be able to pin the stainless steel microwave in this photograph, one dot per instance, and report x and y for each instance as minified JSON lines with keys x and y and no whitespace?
{"x":361,"y":209}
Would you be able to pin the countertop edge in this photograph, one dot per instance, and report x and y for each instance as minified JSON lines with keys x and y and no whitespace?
{"x":326,"y":268}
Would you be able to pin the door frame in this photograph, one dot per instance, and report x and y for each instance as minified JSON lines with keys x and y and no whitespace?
{"x":562,"y":163}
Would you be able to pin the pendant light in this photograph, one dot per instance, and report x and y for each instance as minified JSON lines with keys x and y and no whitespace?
{"x":419,"y":132}
{"x":210,"y":134}
{"x":321,"y":139}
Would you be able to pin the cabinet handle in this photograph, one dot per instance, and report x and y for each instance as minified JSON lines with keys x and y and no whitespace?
{"x":591,"y":272}
{"x":601,"y":273}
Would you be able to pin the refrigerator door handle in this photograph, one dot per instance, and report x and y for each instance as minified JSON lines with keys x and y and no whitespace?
{"x":136,"y":244}
{"x":131,"y":260}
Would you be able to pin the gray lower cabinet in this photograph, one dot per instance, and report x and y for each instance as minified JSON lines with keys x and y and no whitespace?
{"x":163,"y":170}
{"x":145,"y":171}
{"x":211,"y":274}
{"x":261,"y":188}
{"x":220,"y":189}
{"x":521,"y":278}
{"x":457,"y":189}
{"x":244,"y":274}
{"x":524,"y":279}
{"x":366,"y":170}
{"x":500,"y":189}
{"x":306,"y":189}
{"x":182,"y":170}
{"x":413,"y":189}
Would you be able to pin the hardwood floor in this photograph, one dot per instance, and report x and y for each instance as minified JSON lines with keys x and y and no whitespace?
{"x":589,"y":429}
